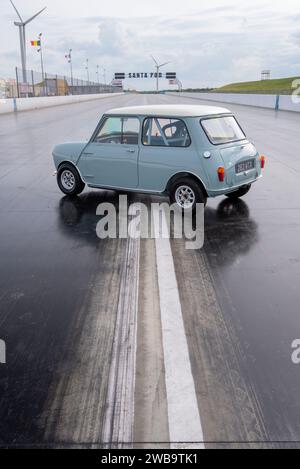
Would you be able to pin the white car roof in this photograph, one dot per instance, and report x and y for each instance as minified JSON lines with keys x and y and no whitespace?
{"x":169,"y":110}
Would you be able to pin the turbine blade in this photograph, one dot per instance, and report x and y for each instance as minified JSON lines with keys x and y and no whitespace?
{"x":166,"y":63}
{"x":154,"y":59}
{"x":34,"y":16}
{"x":16,"y":11}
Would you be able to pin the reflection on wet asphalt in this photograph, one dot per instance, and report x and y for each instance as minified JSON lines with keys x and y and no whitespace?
{"x":231,"y":228}
{"x":52,"y":262}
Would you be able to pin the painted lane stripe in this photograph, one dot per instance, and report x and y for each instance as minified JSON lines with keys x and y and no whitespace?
{"x":183,"y":413}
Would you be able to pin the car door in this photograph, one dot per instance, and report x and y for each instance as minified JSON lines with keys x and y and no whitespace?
{"x":166,"y":150}
{"x":111,"y":158}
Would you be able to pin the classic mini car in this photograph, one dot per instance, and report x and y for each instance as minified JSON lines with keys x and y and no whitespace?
{"x":188,"y":152}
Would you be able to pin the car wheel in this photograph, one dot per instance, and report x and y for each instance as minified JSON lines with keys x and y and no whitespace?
{"x":240,"y":192}
{"x":69,"y":181}
{"x":186,"y":193}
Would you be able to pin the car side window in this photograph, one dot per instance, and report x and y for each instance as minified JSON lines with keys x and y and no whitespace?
{"x":119,"y":130}
{"x":164,"y":132}
{"x":130,"y":130}
{"x":110,"y":131}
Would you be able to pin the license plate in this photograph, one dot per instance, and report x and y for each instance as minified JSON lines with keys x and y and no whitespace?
{"x":244,"y":166}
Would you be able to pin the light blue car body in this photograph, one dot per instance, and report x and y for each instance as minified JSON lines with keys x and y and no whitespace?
{"x":150,"y":169}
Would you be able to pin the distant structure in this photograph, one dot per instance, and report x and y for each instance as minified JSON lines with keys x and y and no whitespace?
{"x":265,"y":75}
{"x":8,"y":88}
{"x":158,"y":67}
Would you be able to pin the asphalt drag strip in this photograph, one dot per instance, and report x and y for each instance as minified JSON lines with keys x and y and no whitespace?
{"x":230,"y":409}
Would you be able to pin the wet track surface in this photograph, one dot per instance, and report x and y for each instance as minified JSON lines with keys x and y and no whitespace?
{"x":60,"y":284}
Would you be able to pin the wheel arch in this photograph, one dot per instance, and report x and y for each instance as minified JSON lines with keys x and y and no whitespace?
{"x":71,"y":163}
{"x":185,"y":174}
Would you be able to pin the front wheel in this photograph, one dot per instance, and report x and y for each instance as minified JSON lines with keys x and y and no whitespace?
{"x":240,"y":192}
{"x":69,"y":181}
{"x":186,"y":193}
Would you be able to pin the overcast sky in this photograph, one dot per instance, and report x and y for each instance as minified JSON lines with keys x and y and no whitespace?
{"x":223,"y":42}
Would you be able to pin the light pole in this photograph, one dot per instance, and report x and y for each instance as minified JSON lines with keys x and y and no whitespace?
{"x":40,"y":50}
{"x":87,"y":70}
{"x":98,"y":78}
{"x":21,"y":25}
{"x":158,"y":67}
{"x":71,"y":66}
{"x":69,"y":57}
{"x":104,"y":75}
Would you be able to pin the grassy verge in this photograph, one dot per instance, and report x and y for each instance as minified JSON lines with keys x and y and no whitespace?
{"x":277,"y":86}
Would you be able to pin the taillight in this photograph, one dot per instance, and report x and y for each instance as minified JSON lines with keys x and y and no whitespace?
{"x":262,"y":160}
{"x":221,"y":174}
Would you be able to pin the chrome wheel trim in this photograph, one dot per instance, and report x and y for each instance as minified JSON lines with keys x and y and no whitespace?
{"x":67,"y":180}
{"x":185,"y":197}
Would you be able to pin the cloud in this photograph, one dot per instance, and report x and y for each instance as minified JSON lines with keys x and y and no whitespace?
{"x":207,"y":46}
{"x":114,"y":37}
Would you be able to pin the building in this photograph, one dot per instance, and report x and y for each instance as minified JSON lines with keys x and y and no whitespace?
{"x":57,"y":87}
{"x":2,"y":88}
{"x":8,"y":88}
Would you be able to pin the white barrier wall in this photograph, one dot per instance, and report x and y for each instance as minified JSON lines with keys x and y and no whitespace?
{"x":268,"y":101}
{"x":287,"y":104}
{"x":6,"y":105}
{"x":25,"y":104}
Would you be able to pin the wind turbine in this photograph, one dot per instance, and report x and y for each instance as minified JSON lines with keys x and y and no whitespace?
{"x":21,"y":25}
{"x":158,"y":67}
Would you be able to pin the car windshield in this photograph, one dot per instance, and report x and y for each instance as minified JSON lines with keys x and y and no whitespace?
{"x":222,"y":130}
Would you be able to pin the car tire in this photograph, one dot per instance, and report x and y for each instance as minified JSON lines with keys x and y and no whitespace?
{"x":69,"y":180}
{"x":186,"y":193}
{"x":239,"y":193}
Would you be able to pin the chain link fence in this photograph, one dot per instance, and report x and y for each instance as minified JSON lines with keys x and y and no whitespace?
{"x":34,"y":84}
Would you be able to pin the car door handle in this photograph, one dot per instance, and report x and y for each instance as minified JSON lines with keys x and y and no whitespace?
{"x":86,"y":153}
{"x":131,"y":150}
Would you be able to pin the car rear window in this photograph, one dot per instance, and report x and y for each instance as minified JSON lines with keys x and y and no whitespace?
{"x":222,"y":130}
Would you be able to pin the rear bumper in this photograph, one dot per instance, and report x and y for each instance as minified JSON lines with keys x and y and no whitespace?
{"x":227,"y":190}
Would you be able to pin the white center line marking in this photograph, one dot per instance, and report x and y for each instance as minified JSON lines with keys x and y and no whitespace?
{"x":183,"y":413}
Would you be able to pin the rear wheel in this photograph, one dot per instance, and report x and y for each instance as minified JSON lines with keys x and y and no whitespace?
{"x":68,"y":180}
{"x":240,"y":192}
{"x":186,"y":193}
